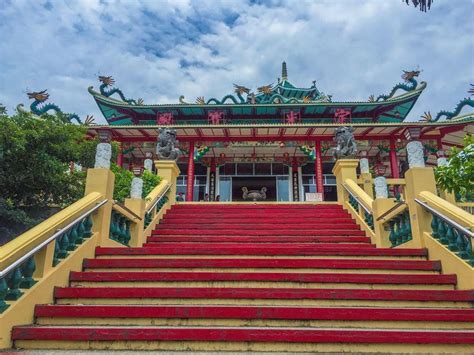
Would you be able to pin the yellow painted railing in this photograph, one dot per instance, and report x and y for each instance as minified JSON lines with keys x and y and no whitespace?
{"x":359,"y":204}
{"x":157,"y":202}
{"x":451,"y":235}
{"x":42,"y":258}
{"x":420,"y":220}
{"x":466,"y":206}
{"x":36,"y":261}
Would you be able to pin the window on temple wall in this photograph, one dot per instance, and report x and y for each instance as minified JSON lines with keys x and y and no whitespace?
{"x":200,"y":180}
{"x":263,"y":169}
{"x":308,"y":179}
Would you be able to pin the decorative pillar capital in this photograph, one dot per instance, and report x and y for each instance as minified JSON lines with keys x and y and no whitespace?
{"x":148,"y":164}
{"x":415,"y":154}
{"x":137,"y":188}
{"x":380,"y":184}
{"x":103,"y":155}
{"x":364,"y":166}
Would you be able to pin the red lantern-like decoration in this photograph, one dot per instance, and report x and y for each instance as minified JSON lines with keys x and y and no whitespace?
{"x":380,"y":169}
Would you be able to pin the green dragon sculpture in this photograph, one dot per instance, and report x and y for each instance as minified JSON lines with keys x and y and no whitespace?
{"x":449,"y":114}
{"x":109,"y":81}
{"x":266,"y":95}
{"x":38,"y":108}
{"x":238,"y":89}
{"x":409,"y":85}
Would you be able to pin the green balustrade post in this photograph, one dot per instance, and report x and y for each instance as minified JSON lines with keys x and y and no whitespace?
{"x":72,"y":238}
{"x":451,"y":238}
{"x":88,"y":226}
{"x":442,"y":232}
{"x":63,"y":242}
{"x":28,"y":269}
{"x":13,"y":282}
{"x":434,"y":226}
{"x":3,"y":294}
{"x":80,"y":232}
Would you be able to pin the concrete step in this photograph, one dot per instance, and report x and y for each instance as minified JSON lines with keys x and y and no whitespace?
{"x":259,"y":279}
{"x":177,"y":238}
{"x":266,"y":250}
{"x":217,"y":315}
{"x":334,"y":265}
{"x":241,"y":338}
{"x":265,"y":296}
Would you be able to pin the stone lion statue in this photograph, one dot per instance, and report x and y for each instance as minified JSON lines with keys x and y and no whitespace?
{"x":346,"y":144}
{"x":166,"y":145}
{"x":254,"y":195}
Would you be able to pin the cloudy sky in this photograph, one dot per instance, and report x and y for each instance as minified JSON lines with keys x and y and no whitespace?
{"x":159,"y":50}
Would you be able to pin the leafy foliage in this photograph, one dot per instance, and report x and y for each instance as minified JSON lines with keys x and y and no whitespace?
{"x":87,"y":150}
{"x":150,"y":181}
{"x":34,"y":159}
{"x":458,"y":175}
{"x":123,"y":182}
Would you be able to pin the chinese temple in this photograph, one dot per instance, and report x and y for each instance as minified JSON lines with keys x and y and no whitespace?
{"x":279,"y":137}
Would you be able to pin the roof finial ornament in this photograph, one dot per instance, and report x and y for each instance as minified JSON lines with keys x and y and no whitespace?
{"x":284,"y":72}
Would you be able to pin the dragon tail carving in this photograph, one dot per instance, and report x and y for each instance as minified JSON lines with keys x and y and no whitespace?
{"x":410,"y":86}
{"x":109,"y":81}
{"x":449,"y":115}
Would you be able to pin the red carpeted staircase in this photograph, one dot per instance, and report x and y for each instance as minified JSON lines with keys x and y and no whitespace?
{"x":260,"y":277}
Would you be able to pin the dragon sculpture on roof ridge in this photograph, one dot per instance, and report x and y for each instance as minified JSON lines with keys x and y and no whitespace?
{"x":39,"y":108}
{"x":266,"y":95}
{"x":449,"y":114}
{"x":409,"y":85}
{"x":108,"y":81}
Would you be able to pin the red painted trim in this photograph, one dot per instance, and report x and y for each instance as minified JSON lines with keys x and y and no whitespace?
{"x":262,"y":250}
{"x":274,"y":138}
{"x":319,"y":168}
{"x":242,"y":335}
{"x":265,"y":263}
{"x":264,"y":293}
{"x":379,"y":279}
{"x":255,"y":239}
{"x":261,"y":206}
{"x":268,"y":225}
{"x":256,"y":312}
{"x":190,"y":185}
{"x":237,"y":245}
{"x":393,"y":160}
{"x":263,"y":232}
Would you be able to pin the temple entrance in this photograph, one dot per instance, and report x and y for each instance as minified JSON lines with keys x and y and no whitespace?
{"x":254,"y":176}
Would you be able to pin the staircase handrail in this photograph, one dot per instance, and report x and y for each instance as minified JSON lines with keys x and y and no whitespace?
{"x":58,"y":233}
{"x":359,"y":195}
{"x":29,"y":242}
{"x":441,"y":208}
{"x":156,"y":194}
{"x":450,"y":226}
{"x":122,"y":209}
{"x":400,"y":207}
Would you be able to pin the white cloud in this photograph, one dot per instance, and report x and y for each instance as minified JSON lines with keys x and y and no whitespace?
{"x":159,"y":50}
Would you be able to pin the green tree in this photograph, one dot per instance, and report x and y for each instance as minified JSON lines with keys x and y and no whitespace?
{"x":458,"y":175}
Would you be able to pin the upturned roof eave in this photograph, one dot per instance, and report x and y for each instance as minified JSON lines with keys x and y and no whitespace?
{"x":114,"y":102}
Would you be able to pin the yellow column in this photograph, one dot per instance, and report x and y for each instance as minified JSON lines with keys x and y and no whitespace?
{"x":418,"y":180}
{"x":344,"y":169}
{"x":169,"y":171}
{"x":367,"y":184}
{"x":137,"y":206}
{"x":102,"y":180}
